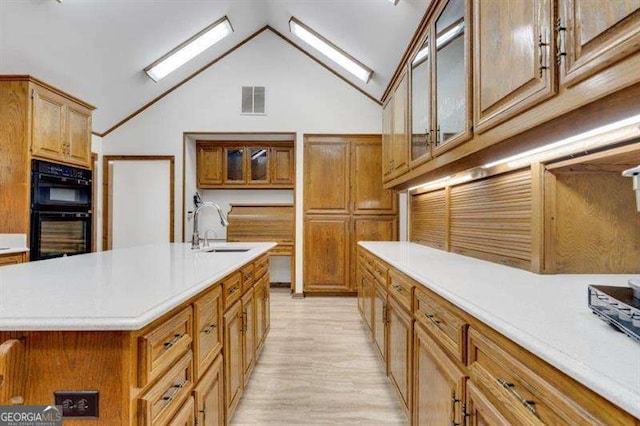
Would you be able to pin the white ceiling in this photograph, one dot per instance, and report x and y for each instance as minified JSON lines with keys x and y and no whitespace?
{"x":96,"y":49}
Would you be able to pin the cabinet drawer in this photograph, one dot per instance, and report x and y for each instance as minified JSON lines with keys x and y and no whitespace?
{"x":380,"y":272}
{"x":261,"y":267}
{"x":11,"y":259}
{"x":186,"y":415}
{"x":158,"y":405}
{"x":369,"y":261}
{"x":208,"y":331}
{"x":247,"y":277}
{"x":163,"y":345}
{"x":518,"y":392}
{"x":232,"y":289}
{"x":449,"y":329}
{"x":401,"y":288}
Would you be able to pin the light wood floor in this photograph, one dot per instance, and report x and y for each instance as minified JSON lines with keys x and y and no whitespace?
{"x":318,"y":366}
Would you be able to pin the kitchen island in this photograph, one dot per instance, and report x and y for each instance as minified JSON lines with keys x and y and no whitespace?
{"x":158,"y":331}
{"x":514,"y":346}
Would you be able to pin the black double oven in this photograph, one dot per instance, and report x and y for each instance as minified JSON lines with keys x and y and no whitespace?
{"x":61,"y":222}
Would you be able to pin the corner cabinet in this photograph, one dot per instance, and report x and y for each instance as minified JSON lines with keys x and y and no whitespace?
{"x":245,"y":165}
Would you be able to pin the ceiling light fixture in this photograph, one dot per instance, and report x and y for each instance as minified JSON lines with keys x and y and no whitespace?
{"x":600,"y":136}
{"x":422,"y":54}
{"x":330,"y":50}
{"x":450,"y":34}
{"x":189,"y":49}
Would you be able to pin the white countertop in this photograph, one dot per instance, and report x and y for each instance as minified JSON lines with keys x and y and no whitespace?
{"x":122,"y":289}
{"x":545,"y":314}
{"x":13,"y":243}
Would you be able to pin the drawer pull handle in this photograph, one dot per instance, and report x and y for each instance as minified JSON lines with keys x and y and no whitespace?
{"x":432,"y":318}
{"x":398,"y":288}
{"x":527,"y":403}
{"x":170,"y":343}
{"x":233,"y":290}
{"x":248,"y":277}
{"x":209,"y":329}
{"x":168,"y":398}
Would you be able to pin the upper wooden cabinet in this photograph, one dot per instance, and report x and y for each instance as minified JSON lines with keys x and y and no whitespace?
{"x":421,"y":121}
{"x":245,"y":165}
{"x":594,"y":34}
{"x":367,"y":194}
{"x":387,"y":140}
{"x":400,"y":143}
{"x":61,"y":128}
{"x":514,"y":68}
{"x":326,"y":176}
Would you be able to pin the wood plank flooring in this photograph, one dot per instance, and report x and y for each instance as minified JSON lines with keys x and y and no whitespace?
{"x":318,"y":366}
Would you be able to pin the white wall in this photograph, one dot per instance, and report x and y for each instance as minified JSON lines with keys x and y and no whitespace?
{"x":302,"y":97}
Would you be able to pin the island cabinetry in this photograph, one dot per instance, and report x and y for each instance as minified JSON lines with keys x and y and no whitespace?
{"x":209,"y":396}
{"x":450,"y":368}
{"x":233,"y":368}
{"x":208,"y":336}
{"x":248,"y":334}
{"x":13,"y":258}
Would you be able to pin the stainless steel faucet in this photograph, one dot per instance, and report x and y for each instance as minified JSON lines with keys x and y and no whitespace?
{"x":195,"y":239}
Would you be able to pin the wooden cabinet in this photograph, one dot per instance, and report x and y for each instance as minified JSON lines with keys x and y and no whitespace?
{"x":327,"y":176}
{"x":233,"y":365}
{"x":209,"y":396}
{"x":595,"y":34}
{"x":438,"y":385}
{"x":480,"y":411}
{"x":512,"y":40}
{"x":283,"y":165}
{"x":262,"y":306}
{"x":400,"y":143}
{"x":326,"y":253}
{"x":379,"y":326}
{"x":400,"y":352}
{"x":367,"y":194}
{"x":61,"y":129}
{"x":248,"y":334}
{"x":387,"y":140}
{"x":12,"y":259}
{"x":344,"y":203}
{"x":241,"y":165}
{"x":185,"y":415}
{"x":209,"y":164}
{"x":421,"y":117}
{"x":208,"y":337}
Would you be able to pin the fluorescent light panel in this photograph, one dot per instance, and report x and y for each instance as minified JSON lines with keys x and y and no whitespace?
{"x":394,"y":2}
{"x":330,"y":50}
{"x":450,"y":34}
{"x":585,"y":140}
{"x":189,"y":49}
{"x":422,"y":54}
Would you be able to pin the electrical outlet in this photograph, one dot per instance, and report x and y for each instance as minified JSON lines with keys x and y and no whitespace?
{"x":78,"y":403}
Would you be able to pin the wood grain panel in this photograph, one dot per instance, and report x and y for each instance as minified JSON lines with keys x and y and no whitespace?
{"x":326,"y":253}
{"x":429,"y":219}
{"x":367,"y":194}
{"x":261,"y":222}
{"x":594,"y":227}
{"x":491,"y":219}
{"x":326,"y":175}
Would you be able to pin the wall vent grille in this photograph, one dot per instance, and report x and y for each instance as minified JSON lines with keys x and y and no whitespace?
{"x":253,"y":100}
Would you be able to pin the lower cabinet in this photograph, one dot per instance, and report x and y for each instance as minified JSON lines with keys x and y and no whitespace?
{"x":438,"y":384}
{"x":400,"y":353}
{"x":233,"y":366}
{"x":480,"y":411}
{"x":248,"y":334}
{"x":185,"y":416}
{"x":380,"y":313}
{"x":12,"y":259}
{"x":209,"y":396}
{"x":261,"y":326}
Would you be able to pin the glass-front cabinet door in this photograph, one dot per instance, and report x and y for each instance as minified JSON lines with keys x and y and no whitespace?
{"x":421,"y":125}
{"x":234,"y":166}
{"x":258,"y":165}
{"x":452,"y":75}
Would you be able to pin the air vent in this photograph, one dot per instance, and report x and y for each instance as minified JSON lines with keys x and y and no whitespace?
{"x":253,"y":100}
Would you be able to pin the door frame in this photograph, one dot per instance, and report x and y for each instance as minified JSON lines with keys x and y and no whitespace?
{"x":106,"y":222}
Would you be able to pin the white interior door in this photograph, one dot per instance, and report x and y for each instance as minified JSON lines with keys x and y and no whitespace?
{"x":140,"y":202}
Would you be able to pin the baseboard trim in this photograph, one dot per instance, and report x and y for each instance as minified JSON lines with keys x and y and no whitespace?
{"x":280,"y":285}
{"x":297,"y":295}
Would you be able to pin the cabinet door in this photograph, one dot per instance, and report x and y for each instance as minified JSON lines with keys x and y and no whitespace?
{"x":595,"y":34}
{"x":326,"y":175}
{"x":400,"y":344}
{"x":513,"y":64}
{"x":367,"y":194}
{"x":380,"y":320}
{"x":387,"y":140}
{"x":235,"y":168}
{"x":372,"y":228}
{"x":480,"y":411}
{"x":420,"y":98}
{"x":400,"y":149}
{"x":267,"y":306}
{"x":282,"y":169}
{"x":258,"y":171}
{"x":233,"y":367}
{"x":249,"y":334}
{"x":209,"y":396}
{"x":209,"y":165}
{"x":438,"y":384}
{"x":260,"y":313}
{"x":48,"y":132}
{"x":360,"y":287}
{"x":78,"y":136}
{"x":208,"y":337}
{"x":452,"y":75}
{"x":326,"y":253}
{"x":185,"y":415}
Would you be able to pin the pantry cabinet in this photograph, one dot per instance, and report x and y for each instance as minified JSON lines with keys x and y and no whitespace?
{"x":326,"y":253}
{"x":513,"y":40}
{"x":245,"y":165}
{"x":593,"y":35}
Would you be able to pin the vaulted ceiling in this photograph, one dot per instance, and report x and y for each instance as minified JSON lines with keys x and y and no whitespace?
{"x":97,"y":49}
